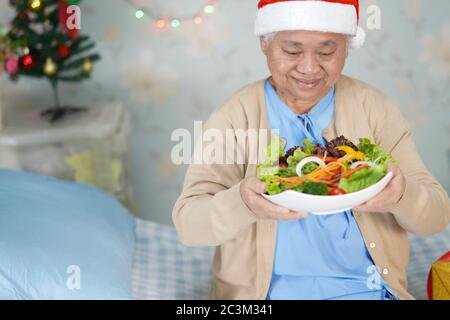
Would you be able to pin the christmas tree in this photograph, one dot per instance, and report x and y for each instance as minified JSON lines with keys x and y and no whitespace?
{"x":43,"y":41}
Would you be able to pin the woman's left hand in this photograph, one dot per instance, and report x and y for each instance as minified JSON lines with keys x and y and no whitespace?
{"x":387,"y":199}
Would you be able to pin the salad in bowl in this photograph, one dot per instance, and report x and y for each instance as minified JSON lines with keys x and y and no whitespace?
{"x":324,"y":179}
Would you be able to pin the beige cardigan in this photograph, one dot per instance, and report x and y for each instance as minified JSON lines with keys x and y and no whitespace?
{"x":210,"y":211}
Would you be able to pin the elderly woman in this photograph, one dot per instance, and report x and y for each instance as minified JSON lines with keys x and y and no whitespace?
{"x":265,"y":251}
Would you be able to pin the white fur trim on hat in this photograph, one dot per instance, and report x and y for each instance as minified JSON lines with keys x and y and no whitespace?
{"x":307,"y":15}
{"x":358,"y":41}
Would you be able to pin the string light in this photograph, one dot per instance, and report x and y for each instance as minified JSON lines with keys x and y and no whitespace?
{"x":162,"y":23}
{"x":139,"y":14}
{"x":208,"y":9}
{"x":176,"y":23}
{"x":198,"y":20}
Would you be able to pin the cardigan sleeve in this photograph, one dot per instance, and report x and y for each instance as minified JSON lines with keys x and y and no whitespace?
{"x":424,"y":209}
{"x":210,"y":210}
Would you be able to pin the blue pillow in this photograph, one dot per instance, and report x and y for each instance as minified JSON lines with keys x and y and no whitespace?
{"x":62,"y":240}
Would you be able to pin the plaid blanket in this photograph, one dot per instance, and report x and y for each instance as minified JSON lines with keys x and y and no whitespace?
{"x":165,"y":269}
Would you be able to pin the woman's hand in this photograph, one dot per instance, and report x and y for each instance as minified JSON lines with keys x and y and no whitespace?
{"x":387,"y":199}
{"x":251,"y":190}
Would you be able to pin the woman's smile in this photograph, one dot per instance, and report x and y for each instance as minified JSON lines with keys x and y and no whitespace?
{"x":306,"y":84}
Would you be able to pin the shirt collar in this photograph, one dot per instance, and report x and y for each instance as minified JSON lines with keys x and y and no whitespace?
{"x":314,"y":114}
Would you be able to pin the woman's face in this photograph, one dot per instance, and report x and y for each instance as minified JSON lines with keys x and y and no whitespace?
{"x":305,"y":64}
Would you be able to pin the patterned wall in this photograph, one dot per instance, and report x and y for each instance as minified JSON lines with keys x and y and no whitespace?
{"x":166,"y":80}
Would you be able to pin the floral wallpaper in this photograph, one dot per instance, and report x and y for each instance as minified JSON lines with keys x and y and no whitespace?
{"x":168,"y":79}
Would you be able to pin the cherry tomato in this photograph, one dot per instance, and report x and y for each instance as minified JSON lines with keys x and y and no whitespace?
{"x":336,"y":192}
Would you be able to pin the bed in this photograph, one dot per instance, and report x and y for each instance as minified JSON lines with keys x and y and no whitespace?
{"x":164,"y":269}
{"x":63,"y":240}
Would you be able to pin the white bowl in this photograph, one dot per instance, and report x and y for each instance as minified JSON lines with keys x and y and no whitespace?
{"x":326,"y":205}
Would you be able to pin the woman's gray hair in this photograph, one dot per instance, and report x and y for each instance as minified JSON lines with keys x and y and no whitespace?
{"x":266,"y":39}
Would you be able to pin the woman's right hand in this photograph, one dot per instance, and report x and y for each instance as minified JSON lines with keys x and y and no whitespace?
{"x":251,"y":193}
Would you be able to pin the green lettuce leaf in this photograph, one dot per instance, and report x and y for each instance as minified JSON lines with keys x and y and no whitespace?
{"x":309,"y":187}
{"x":274,"y":188}
{"x":274,"y":151}
{"x":309,"y":167}
{"x":308,"y":147}
{"x":374,"y":153}
{"x":318,"y":189}
{"x":298,"y":156}
{"x":363,"y":179}
{"x":269,"y":172}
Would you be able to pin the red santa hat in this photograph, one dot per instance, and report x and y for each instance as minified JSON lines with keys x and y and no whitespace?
{"x":336,"y":16}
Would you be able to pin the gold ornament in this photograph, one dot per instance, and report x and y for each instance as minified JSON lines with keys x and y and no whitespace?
{"x":50,"y":67}
{"x":35,"y":5}
{"x":87,"y":66}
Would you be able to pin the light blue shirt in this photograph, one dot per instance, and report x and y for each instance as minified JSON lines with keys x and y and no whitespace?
{"x":320,"y":257}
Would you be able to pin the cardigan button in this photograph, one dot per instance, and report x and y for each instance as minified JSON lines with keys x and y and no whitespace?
{"x":385,"y":271}
{"x":372,"y":245}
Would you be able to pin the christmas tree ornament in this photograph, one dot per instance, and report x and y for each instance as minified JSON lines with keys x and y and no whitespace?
{"x":27,"y":62}
{"x":336,"y":16}
{"x":25,"y":51}
{"x":35,"y":5}
{"x":63,"y":51}
{"x":87,"y":66}
{"x":22,"y":15}
{"x":11,"y":65}
{"x":50,"y":67}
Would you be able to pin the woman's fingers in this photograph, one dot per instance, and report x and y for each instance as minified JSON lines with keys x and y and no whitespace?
{"x":251,"y":193}
{"x":293,"y":216}
{"x":386,"y":200}
{"x":276,"y":212}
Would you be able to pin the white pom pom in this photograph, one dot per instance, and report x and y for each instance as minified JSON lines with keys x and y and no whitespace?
{"x":358,"y":41}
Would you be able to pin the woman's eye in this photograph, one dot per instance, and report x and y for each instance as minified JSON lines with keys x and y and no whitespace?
{"x":324,"y":54}
{"x":292,"y":53}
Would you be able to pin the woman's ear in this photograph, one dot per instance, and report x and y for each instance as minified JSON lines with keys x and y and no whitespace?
{"x":347,"y":47}
{"x":263,"y":45}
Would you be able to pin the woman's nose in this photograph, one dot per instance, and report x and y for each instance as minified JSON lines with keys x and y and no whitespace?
{"x":308,"y":64}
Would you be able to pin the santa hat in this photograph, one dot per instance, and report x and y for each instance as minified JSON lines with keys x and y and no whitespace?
{"x":336,"y":16}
